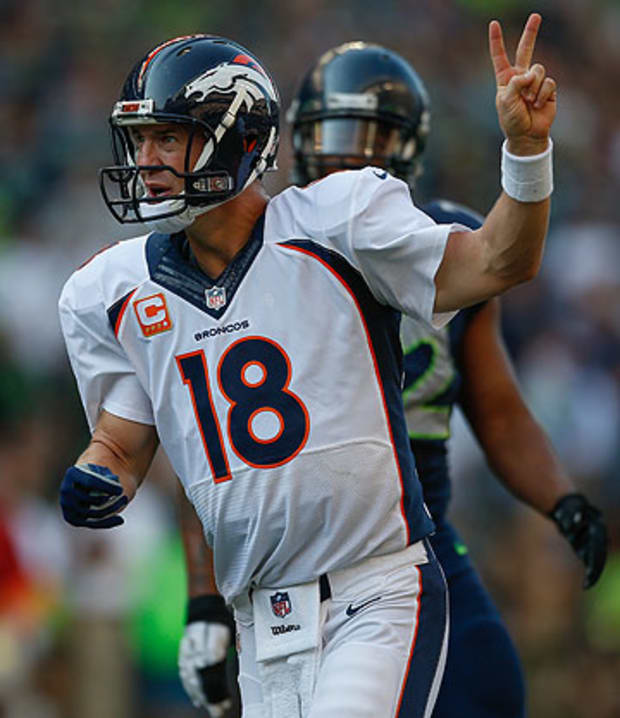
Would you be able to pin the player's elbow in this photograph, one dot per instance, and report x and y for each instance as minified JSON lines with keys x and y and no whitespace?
{"x":530,"y":268}
{"x":512,"y":271}
{"x":526,"y":272}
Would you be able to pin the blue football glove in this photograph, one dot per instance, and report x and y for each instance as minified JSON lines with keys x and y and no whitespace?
{"x":91,"y":495}
{"x":583,"y":526}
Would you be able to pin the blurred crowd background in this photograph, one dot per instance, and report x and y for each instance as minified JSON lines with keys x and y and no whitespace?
{"x":90,"y":621}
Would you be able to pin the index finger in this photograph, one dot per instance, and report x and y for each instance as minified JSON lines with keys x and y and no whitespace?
{"x":525,"y":48}
{"x":497,"y":50}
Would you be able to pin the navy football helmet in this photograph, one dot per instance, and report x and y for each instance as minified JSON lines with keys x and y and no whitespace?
{"x":213,"y":86}
{"x":360,"y":104}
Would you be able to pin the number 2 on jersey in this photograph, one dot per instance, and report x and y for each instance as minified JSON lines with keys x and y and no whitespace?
{"x":267,"y":424}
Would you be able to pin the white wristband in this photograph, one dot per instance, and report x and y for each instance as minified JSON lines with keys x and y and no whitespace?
{"x":527,"y":178}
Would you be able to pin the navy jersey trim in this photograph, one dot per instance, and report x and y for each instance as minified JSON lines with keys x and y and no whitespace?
{"x":171,"y":265}
{"x":382,"y":325}
{"x":117,"y":311}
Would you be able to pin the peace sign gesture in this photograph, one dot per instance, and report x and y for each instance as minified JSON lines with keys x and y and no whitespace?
{"x":525,"y":98}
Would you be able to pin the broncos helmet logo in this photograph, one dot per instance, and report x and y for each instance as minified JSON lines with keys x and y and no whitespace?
{"x":248,"y":81}
{"x":248,"y":84}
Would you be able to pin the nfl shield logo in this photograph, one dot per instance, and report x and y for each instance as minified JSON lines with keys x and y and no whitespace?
{"x":215,"y":297}
{"x":280,"y":604}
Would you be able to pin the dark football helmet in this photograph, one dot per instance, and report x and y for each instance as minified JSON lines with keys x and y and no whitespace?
{"x":360,"y":104}
{"x":445,"y":212}
{"x":216,"y":88}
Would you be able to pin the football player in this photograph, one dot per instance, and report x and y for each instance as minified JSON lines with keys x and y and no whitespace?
{"x":362,"y":104}
{"x":227,"y":334}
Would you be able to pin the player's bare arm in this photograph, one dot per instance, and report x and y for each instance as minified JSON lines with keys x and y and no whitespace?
{"x":517,"y":448}
{"x":209,"y":629}
{"x":125,"y":447}
{"x":507,"y":249}
{"x":515,"y":445}
{"x":105,"y":477}
{"x":198,"y":555}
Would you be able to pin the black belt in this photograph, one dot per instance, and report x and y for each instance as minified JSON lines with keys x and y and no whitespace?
{"x":325,"y":591}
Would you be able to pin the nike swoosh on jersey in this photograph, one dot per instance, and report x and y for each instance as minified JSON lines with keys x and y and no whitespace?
{"x":380,"y":175}
{"x":352,"y":610}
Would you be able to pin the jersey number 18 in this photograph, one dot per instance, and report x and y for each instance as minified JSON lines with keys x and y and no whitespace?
{"x":253,"y":375}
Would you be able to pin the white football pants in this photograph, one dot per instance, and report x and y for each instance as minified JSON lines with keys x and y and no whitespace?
{"x":383,"y":634}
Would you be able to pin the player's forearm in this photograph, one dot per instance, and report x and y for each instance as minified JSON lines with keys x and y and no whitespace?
{"x":507,"y":250}
{"x":516,"y":447}
{"x":513,"y":238}
{"x":125,"y":447}
{"x":102,"y":452}
{"x":524,"y":460}
{"x":521,"y":456}
{"x":198,"y":555}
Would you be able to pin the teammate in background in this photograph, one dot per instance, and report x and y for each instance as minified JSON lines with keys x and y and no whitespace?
{"x":363,"y":104}
{"x":207,"y":335}
{"x":208,"y":664}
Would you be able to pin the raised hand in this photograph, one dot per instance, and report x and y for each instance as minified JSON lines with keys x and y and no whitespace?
{"x":525,"y":97}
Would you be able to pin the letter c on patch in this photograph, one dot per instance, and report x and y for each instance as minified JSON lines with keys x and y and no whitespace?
{"x":152,"y":314}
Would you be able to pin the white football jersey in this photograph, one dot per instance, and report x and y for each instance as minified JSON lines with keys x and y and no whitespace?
{"x":276,"y":388}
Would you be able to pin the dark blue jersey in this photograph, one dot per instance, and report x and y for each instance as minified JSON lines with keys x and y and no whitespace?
{"x":433,"y":361}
